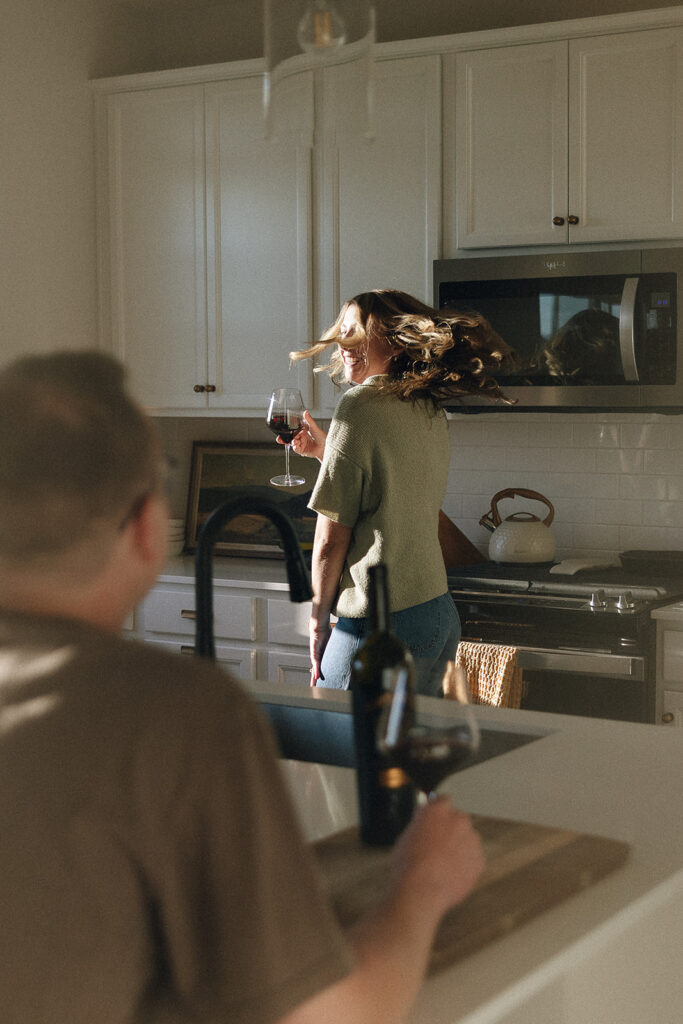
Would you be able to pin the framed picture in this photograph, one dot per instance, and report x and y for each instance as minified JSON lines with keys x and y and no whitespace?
{"x":220,"y":472}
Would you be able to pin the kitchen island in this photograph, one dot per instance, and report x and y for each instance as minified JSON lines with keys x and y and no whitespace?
{"x":609,"y":954}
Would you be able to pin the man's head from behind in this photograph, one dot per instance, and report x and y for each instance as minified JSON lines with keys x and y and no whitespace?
{"x":77,"y":459}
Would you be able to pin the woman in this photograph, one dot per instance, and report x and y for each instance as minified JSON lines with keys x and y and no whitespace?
{"x":383,"y":474}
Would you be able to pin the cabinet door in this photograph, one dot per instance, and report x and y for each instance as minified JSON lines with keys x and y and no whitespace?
{"x":626,"y":137}
{"x":286,"y":667}
{"x":259,"y":244}
{"x":380,"y":199}
{"x":509,"y":136}
{"x":154,"y":301}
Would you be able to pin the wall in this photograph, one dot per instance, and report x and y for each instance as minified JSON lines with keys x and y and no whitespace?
{"x":615,"y":481}
{"x":48,"y":52}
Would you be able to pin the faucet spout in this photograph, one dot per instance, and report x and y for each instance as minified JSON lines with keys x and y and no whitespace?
{"x":297,"y":573}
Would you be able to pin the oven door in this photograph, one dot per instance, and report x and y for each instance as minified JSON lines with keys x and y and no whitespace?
{"x":594,"y":684}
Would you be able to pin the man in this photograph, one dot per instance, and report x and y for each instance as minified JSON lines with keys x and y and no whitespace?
{"x":151,"y":866}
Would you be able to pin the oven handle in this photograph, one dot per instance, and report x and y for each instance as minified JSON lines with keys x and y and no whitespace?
{"x":592,"y":663}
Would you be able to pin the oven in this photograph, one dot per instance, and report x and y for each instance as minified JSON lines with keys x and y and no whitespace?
{"x":586,"y":643}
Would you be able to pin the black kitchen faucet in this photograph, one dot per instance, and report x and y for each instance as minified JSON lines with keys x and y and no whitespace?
{"x":297,"y":573}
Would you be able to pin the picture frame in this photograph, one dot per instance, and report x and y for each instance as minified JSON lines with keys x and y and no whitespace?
{"x":220,"y":471}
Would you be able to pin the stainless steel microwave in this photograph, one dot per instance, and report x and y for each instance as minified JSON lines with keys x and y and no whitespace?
{"x":592,"y":330}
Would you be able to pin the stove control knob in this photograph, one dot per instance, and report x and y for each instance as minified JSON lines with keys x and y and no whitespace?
{"x":598,"y":600}
{"x":625,"y":602}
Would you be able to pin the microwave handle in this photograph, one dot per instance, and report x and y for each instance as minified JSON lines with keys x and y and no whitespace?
{"x":627,"y":337}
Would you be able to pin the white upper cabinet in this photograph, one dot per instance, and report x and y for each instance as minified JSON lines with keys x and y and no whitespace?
{"x":510,"y":134}
{"x":626,"y":136}
{"x":154,"y":295}
{"x":206,"y":244}
{"x":382,"y":197}
{"x":379,"y":210}
{"x":567,"y":141}
{"x":259,"y":197}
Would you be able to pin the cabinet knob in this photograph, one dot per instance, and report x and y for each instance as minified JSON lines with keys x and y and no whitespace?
{"x":668,"y":717}
{"x":210,"y":387}
{"x":558,"y":221}
{"x":199,"y":388}
{"x":572,"y":219}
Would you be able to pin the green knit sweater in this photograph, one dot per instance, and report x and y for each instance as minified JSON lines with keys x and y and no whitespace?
{"x":384,"y":474}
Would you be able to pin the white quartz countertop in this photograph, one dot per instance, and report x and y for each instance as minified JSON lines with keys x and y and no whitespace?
{"x":266,"y":573}
{"x":609,"y":954}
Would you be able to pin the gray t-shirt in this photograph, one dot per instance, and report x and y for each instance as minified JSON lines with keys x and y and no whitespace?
{"x":151,"y":866}
{"x":384,"y":473}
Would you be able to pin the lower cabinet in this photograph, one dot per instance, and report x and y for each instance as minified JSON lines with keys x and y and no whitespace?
{"x":669,"y":710}
{"x":256,"y":636}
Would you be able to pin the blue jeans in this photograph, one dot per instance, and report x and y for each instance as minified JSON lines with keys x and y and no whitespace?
{"x":431,"y":631}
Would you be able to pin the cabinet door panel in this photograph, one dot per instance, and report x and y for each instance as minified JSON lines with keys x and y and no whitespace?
{"x":510,"y":139}
{"x":626,"y":143}
{"x":288,"y":623}
{"x":289,"y":668}
{"x":259,"y":288}
{"x":157,"y":242}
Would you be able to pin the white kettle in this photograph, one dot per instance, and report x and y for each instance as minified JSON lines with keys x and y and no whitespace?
{"x":522,"y":536}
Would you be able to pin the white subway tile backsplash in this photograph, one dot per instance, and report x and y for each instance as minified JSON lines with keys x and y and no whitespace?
{"x":639,"y":538}
{"x":662,"y":460}
{"x":621,"y":460}
{"x":644,"y":435}
{"x":663,"y":513}
{"x":615,"y":479}
{"x":616,"y":513}
{"x":674,"y":488}
{"x":647,"y":487}
{"x":596,"y":435}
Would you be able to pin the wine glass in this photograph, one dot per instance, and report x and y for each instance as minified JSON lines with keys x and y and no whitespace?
{"x":429,"y":754}
{"x":285,"y":409}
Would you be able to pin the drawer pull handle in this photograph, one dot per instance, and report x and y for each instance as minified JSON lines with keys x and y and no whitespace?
{"x":186,"y":649}
{"x":188,"y":613}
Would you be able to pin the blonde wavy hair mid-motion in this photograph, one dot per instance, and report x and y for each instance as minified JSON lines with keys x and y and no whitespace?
{"x":434,"y":354}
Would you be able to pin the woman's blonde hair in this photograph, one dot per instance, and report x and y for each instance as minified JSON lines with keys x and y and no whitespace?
{"x":435,"y":354}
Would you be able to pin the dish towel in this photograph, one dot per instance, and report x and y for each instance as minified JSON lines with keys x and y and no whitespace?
{"x":493,"y":674}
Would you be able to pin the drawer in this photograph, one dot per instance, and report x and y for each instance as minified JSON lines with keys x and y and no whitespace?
{"x":172,"y":610}
{"x":241,"y":662}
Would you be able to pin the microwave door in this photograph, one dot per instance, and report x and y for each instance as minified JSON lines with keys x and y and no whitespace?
{"x":627,"y":330}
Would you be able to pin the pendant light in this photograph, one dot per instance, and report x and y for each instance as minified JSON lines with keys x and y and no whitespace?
{"x":300,"y":35}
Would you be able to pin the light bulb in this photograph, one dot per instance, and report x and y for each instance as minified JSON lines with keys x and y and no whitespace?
{"x":321,"y":27}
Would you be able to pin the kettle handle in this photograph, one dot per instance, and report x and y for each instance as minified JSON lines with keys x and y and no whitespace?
{"x":493,"y":516}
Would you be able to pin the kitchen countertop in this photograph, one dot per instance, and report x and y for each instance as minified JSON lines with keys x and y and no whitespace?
{"x":608,"y":954}
{"x":268,"y":573}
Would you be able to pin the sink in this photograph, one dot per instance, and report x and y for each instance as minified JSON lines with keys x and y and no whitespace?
{"x":326,"y":736}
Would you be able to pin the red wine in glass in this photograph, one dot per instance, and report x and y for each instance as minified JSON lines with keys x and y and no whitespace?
{"x":285,"y":410}
{"x":429,"y":756}
{"x":284,"y":428}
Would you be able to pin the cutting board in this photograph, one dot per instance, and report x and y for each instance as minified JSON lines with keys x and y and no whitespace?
{"x":529,"y":869}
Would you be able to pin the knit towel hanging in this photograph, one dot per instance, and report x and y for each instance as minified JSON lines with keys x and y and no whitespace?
{"x":493,"y":674}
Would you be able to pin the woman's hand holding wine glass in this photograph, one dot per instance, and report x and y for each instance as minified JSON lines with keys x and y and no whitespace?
{"x":284,"y":417}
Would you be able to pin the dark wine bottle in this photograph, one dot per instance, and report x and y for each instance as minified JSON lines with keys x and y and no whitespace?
{"x":386,"y":796}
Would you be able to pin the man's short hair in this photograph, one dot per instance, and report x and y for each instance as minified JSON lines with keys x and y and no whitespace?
{"x":76,"y":454}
